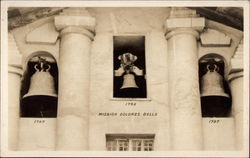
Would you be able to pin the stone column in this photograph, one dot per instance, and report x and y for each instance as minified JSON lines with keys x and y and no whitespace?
{"x":76,"y":27}
{"x":235,"y":79}
{"x":184,"y":96}
{"x":15,"y":73}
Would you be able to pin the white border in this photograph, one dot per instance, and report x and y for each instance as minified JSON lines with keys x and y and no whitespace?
{"x":4,"y":76}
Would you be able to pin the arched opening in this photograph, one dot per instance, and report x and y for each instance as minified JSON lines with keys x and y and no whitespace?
{"x":215,"y":92}
{"x":39,"y":87}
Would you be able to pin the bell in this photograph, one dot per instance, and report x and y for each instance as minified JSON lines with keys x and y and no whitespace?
{"x":41,"y":83}
{"x":212,"y":83}
{"x":41,"y":99}
{"x":129,"y":81}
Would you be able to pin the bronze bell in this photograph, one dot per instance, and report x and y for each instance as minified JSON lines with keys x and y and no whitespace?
{"x":41,"y":83}
{"x":129,"y":70}
{"x":129,"y":81}
{"x":41,"y":99}
{"x":212,"y":83}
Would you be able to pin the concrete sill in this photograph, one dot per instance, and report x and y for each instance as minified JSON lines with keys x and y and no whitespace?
{"x":130,"y":99}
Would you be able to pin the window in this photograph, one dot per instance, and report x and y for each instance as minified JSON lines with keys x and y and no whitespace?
{"x":130,"y":143}
{"x":117,"y":145}
{"x":147,"y":145}
{"x":137,"y":144}
{"x":142,"y":145}
{"x":129,"y":67}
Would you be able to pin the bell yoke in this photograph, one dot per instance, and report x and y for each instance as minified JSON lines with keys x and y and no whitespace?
{"x":128,"y":69}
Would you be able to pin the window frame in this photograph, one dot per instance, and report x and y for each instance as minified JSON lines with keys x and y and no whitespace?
{"x":130,"y":142}
{"x":112,"y":98}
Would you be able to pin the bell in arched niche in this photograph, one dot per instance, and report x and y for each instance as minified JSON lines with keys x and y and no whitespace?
{"x":215,"y":94}
{"x":40,"y":99}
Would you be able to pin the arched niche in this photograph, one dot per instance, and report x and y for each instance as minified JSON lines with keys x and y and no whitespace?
{"x":214,"y":89}
{"x":39,"y":104}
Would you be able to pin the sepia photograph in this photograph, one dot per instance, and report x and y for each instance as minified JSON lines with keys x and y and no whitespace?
{"x":125,"y":78}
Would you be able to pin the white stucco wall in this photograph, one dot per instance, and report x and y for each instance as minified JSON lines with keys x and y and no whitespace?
{"x":132,"y":21}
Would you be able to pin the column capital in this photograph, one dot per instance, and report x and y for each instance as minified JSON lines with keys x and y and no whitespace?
{"x":79,"y":30}
{"x":76,"y":20}
{"x":236,"y":64}
{"x":15,"y":70}
{"x":183,"y":18}
{"x":182,"y":31}
{"x":237,"y":59}
{"x":235,"y":75}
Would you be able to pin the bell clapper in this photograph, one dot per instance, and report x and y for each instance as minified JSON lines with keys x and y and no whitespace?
{"x":41,"y":113}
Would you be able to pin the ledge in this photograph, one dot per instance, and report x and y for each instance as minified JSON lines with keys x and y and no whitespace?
{"x":130,"y":99}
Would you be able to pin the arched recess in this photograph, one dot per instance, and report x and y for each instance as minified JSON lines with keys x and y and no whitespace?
{"x":214,"y":89}
{"x":38,"y":97}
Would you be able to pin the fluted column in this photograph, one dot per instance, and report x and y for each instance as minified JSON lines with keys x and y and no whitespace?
{"x":76,"y":27}
{"x":235,"y":79}
{"x":15,"y":73}
{"x":184,"y":96}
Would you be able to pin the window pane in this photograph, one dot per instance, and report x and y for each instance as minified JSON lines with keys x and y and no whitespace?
{"x":136,"y":145}
{"x":123,"y":145}
{"x":111,"y":145}
{"x":148,"y":145}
